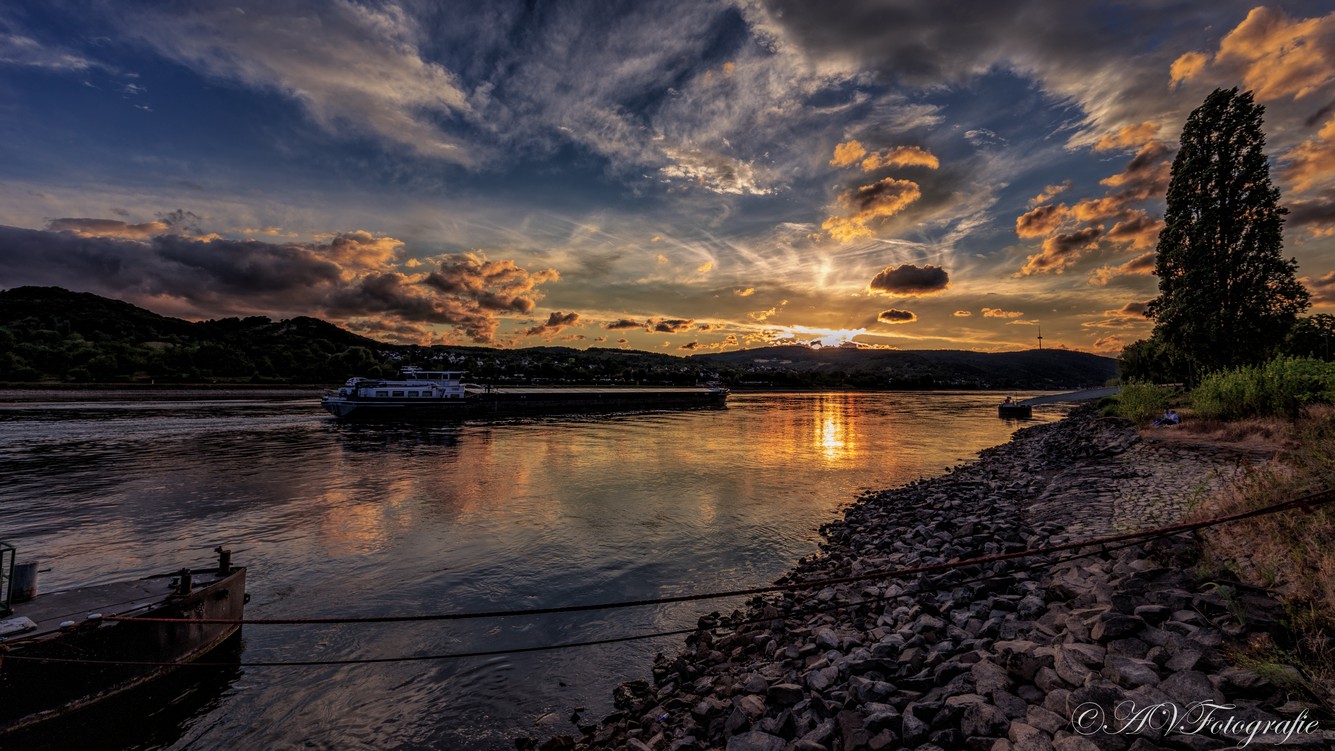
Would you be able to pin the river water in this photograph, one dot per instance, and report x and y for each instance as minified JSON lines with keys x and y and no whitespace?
{"x":354,"y":520}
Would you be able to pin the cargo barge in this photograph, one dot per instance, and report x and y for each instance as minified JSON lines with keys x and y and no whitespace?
{"x":62,"y":651}
{"x":442,"y":394}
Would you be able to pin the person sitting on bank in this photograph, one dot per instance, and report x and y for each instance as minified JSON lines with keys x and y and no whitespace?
{"x":1169,"y":418}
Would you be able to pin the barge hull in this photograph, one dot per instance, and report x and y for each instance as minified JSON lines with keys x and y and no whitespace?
{"x":33,"y":690}
{"x":519,"y":402}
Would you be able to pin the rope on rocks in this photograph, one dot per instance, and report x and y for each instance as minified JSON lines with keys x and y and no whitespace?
{"x":1306,"y":503}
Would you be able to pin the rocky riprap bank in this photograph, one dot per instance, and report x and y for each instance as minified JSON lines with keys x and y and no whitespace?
{"x":992,"y":657}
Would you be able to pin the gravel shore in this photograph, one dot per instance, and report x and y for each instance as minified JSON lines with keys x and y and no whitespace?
{"x":1060,"y":652}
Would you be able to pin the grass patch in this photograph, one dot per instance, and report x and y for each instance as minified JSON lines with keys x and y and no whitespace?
{"x":1290,"y":553}
{"x":1139,"y":402}
{"x":1279,"y":388}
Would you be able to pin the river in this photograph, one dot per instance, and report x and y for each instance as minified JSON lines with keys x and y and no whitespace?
{"x":352,"y":520}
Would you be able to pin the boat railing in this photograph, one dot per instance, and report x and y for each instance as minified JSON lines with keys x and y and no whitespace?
{"x":7,"y":555}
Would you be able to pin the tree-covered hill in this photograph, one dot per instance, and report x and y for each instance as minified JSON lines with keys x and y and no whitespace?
{"x":48,"y":334}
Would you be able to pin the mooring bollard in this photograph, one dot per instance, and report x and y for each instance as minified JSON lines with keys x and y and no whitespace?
{"x":25,"y":582}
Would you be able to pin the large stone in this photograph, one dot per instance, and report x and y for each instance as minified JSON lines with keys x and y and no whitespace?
{"x":1116,"y":626}
{"x":1129,"y":672}
{"x":784,"y":694}
{"x":1048,"y":722}
{"x":1189,"y":687}
{"x":983,"y":719}
{"x":754,"y":740}
{"x":1026,"y":737}
{"x":989,"y":677}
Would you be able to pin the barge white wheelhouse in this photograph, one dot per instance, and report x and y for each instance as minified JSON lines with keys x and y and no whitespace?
{"x":415,"y":389}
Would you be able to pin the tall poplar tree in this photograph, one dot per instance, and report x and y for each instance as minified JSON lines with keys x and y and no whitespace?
{"x":1227,"y":296}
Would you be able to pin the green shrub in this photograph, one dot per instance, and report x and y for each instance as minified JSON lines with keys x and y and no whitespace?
{"x":1141,"y":402}
{"x":1278,"y":388}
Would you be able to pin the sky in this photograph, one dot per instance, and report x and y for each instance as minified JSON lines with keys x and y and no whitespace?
{"x":681,"y":177}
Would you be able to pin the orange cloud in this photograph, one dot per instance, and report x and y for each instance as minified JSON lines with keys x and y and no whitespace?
{"x":999,"y":313}
{"x":1129,"y":136}
{"x":884,"y":198}
{"x":555,"y":323}
{"x":1060,"y":251}
{"x":1142,"y":265}
{"x":1139,"y":232}
{"x":901,"y":156}
{"x":1311,"y":164}
{"x":846,"y":154}
{"x":1049,"y":192}
{"x":1109,"y":344}
{"x":1280,"y":56}
{"x":963,"y":313}
{"x":1042,"y":220}
{"x":744,"y":292}
{"x":1187,"y":67}
{"x":108,"y":228}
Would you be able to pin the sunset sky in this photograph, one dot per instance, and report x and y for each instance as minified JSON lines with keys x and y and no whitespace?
{"x":678,"y":176}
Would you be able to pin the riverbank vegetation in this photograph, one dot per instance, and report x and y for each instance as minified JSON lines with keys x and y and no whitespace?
{"x":1290,"y":553}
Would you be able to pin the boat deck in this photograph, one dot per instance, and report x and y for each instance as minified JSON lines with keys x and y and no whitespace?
{"x":49,"y":610}
{"x":609,"y":390}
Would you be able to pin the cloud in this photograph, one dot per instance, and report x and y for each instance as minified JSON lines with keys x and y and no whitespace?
{"x":1139,"y":232}
{"x":1134,"y":309}
{"x":1145,"y":176}
{"x":690,"y":346}
{"x":1311,"y":164}
{"x":353,"y":68}
{"x":999,"y":313}
{"x":1187,"y":67}
{"x":555,"y":323}
{"x":1317,"y":213}
{"x":624,"y":323}
{"x":107,"y":228}
{"x":1141,"y":265}
{"x":853,"y":152}
{"x":1050,"y":192}
{"x":1109,"y":344}
{"x":1322,"y":288}
{"x":847,"y":154}
{"x":1129,"y":136}
{"x":909,"y":279}
{"x":672,"y":325}
{"x":352,"y":276}
{"x":744,"y":292}
{"x":1060,"y":251}
{"x":980,"y":137}
{"x":867,"y":203}
{"x":705,"y":267}
{"x":962,"y":313}
{"x":894,"y":315}
{"x":714,"y":172}
{"x":1279,"y":56}
{"x":1042,"y":220}
{"x":16,"y":49}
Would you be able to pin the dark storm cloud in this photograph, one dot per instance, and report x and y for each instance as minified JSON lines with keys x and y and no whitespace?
{"x":909,"y":279}
{"x":673,"y":325}
{"x":555,"y":322}
{"x":349,"y":277}
{"x":894,"y":315}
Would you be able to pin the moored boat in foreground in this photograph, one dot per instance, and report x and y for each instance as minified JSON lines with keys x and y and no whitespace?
{"x":61,"y":651}
{"x":442,"y":393}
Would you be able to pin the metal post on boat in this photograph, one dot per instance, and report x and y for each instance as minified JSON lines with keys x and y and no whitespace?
{"x":224,"y":560}
{"x":187,"y":581}
{"x":25,"y":581}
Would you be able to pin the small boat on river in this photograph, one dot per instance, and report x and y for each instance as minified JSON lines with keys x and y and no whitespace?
{"x":1014,"y":410}
{"x":442,"y":393}
{"x":60,"y":652}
